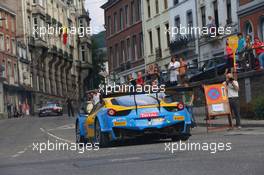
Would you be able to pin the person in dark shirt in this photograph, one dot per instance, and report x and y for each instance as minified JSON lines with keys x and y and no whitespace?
{"x":70,"y":107}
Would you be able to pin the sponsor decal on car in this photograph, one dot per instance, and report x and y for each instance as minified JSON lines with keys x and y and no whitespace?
{"x":149,"y":115}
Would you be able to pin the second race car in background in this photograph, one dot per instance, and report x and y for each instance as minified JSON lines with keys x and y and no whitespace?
{"x":50,"y":109}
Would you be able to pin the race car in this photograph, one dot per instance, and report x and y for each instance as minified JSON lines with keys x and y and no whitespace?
{"x":118,"y":118}
{"x":50,"y":109}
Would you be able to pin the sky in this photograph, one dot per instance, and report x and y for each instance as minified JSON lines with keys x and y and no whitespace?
{"x":96,"y":14}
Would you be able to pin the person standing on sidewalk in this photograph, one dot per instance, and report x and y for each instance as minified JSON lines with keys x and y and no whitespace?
{"x":232,"y":87}
{"x":69,"y":106}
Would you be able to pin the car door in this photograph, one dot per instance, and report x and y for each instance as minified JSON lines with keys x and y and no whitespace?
{"x":91,"y":120}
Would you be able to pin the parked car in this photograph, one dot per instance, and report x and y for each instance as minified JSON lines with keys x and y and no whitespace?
{"x":50,"y":109}
{"x":210,"y":69}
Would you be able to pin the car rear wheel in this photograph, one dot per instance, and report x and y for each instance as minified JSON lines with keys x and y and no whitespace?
{"x":101,"y":138}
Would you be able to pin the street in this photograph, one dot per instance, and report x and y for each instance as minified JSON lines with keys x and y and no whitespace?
{"x":17,"y":155}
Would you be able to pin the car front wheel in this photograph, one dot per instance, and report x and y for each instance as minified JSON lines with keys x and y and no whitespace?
{"x":79,"y":138}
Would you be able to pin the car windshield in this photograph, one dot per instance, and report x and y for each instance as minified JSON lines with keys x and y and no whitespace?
{"x":51,"y":105}
{"x":128,"y":100}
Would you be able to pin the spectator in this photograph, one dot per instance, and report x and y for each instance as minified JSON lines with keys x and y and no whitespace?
{"x":70,"y":107}
{"x":259,"y":46}
{"x":131,"y":80}
{"x":96,"y":97}
{"x":188,"y":99}
{"x":9,"y":110}
{"x":140,"y":80}
{"x":229,"y":58}
{"x":232,"y":87}
{"x":174,"y":70}
{"x":182,"y":71}
{"x":90,"y":105}
{"x":249,"y":55}
{"x":240,"y":50}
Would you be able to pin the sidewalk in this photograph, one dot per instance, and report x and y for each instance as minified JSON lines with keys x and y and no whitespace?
{"x":224,"y":121}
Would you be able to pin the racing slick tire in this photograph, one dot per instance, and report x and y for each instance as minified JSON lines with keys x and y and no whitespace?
{"x":79,"y":139}
{"x":99,"y":137}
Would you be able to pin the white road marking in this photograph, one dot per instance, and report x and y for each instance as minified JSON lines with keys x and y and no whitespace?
{"x":64,"y":127}
{"x":20,"y":152}
{"x":54,"y":136}
{"x":124,"y":159}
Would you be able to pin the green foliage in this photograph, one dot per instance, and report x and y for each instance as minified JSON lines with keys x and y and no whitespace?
{"x":258,"y":107}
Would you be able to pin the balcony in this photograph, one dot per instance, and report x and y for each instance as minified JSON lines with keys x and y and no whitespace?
{"x":38,"y":9}
{"x":37,"y":42}
{"x":182,"y":43}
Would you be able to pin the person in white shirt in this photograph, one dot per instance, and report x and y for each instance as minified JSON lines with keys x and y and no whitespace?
{"x":174,"y":70}
{"x":232,"y":87}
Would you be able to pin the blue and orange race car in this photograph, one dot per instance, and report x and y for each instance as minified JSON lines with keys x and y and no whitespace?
{"x":126,"y":116}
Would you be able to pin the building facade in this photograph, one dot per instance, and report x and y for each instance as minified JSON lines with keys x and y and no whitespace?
{"x":224,"y":13}
{"x":251,"y":18}
{"x":53,"y":62}
{"x":155,"y":26}
{"x":124,"y":38}
{"x":9,"y":75}
{"x":182,"y":13}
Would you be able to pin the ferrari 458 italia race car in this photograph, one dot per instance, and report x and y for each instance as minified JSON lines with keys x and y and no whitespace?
{"x":121,"y":117}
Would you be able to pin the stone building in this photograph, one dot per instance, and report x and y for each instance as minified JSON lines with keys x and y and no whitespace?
{"x":53,"y":60}
{"x":124,"y":38}
{"x":251,"y":18}
{"x":9,"y":65}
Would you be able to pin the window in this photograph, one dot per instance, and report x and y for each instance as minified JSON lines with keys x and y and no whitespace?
{"x":165,"y":4}
{"x":150,"y":42}
{"x":141,"y":45}
{"x":203,"y":16}
{"x":6,"y":22}
{"x":157,"y":6}
{"x":134,"y":45}
{"x":111,"y":57}
{"x":83,"y":53}
{"x":13,"y":25}
{"x":15,"y":73}
{"x":2,"y":42}
{"x":35,"y":26}
{"x":7,"y":43}
{"x":4,"y":66}
{"x":138,"y":10}
{"x":177,"y":23}
{"x":116,"y":58}
{"x":128,"y":50}
{"x":167,"y":34}
{"x":13,"y":47}
{"x":115,"y":22}
{"x":132,"y":12}
{"x":149,"y":12}
{"x":175,"y":2}
{"x":127,"y":15}
{"x":190,"y":19}
{"x":123,"y":53}
{"x":262,"y":28}
{"x":121,"y":19}
{"x":1,"y":23}
{"x":109,"y":25}
{"x":9,"y":71}
{"x":158,"y":35}
{"x":215,"y":4}
{"x":228,"y":12}
{"x":249,"y":30}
